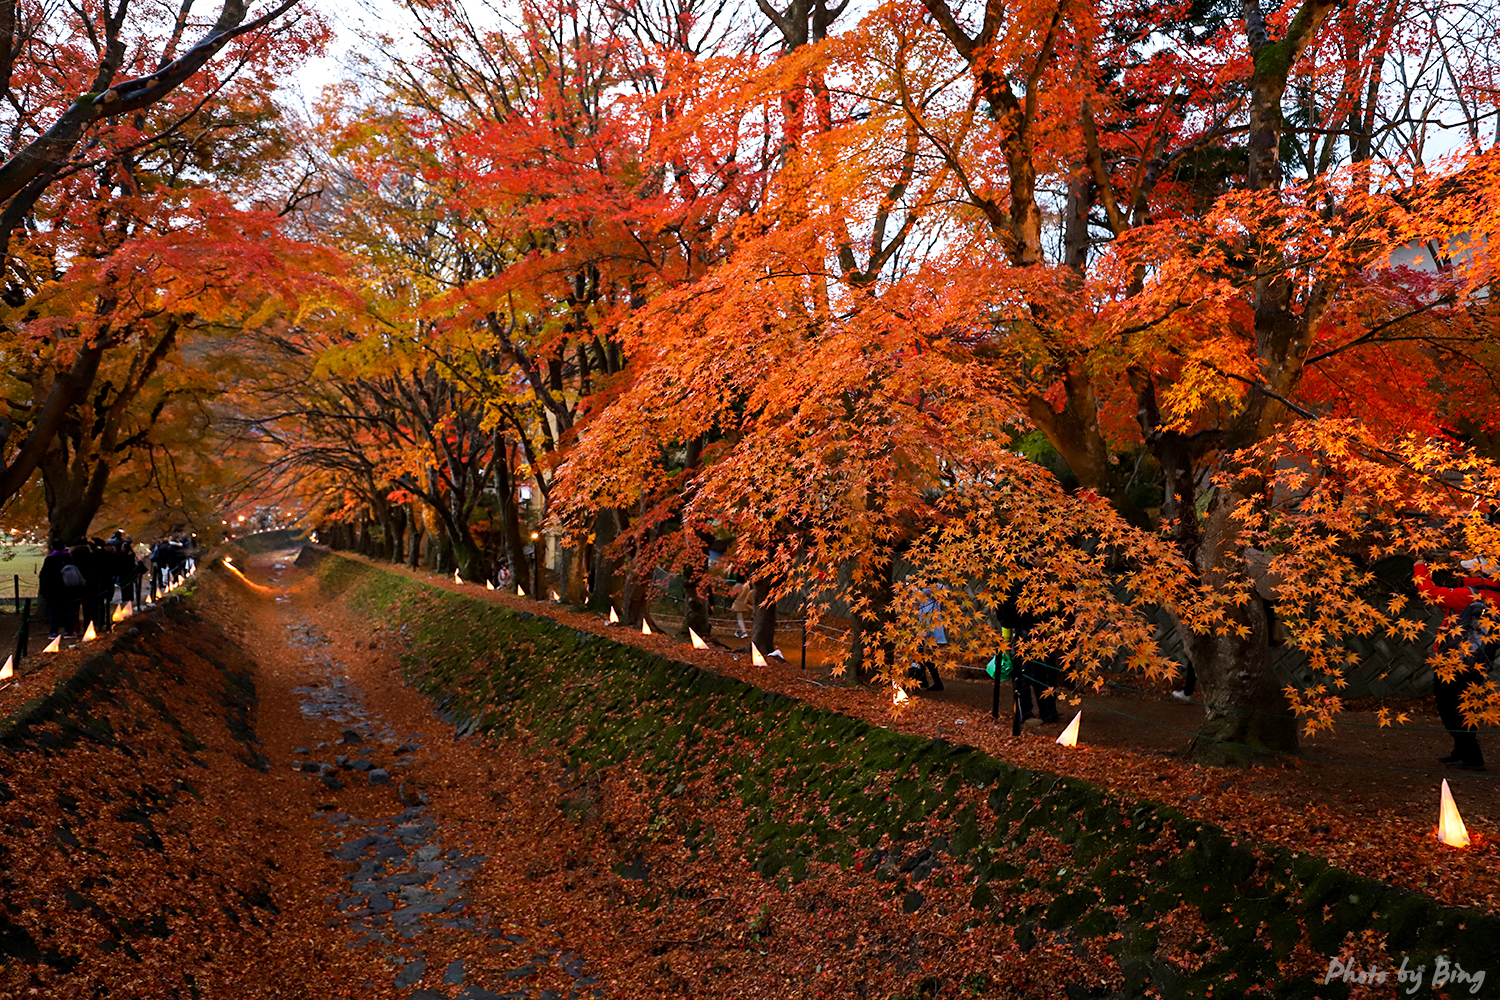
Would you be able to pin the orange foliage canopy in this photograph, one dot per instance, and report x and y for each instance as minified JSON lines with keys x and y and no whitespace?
{"x":1103,"y":308}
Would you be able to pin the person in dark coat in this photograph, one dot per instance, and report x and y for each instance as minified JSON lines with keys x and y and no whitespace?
{"x":1032,"y":677}
{"x":98,"y":572}
{"x":1456,"y":602}
{"x":62,"y":600}
{"x":127,"y":568}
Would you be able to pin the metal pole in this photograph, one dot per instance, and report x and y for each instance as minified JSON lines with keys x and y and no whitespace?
{"x":1017,"y":679}
{"x":995,"y":700}
{"x":18,"y":592}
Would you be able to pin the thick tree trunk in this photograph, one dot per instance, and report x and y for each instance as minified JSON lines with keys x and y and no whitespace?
{"x":763,"y":626}
{"x":1247,"y":715}
{"x":74,"y":497}
{"x":510,"y":517}
{"x":398,"y":534}
{"x":574,"y":583}
{"x":608,"y":525}
{"x":414,"y":550}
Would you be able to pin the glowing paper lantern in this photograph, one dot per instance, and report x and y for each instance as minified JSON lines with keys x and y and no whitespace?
{"x":1069,"y":737}
{"x":645,"y":627}
{"x":520,"y":590}
{"x":457,"y":578}
{"x":55,"y":646}
{"x":1451,"y":829}
{"x":9,"y":670}
{"x":614,"y":616}
{"x":118,"y":615}
{"x":89,"y":635}
{"x":899,"y":696}
{"x":489,"y":585}
{"x":556,"y":597}
{"x":756,"y":659}
{"x":697,"y":639}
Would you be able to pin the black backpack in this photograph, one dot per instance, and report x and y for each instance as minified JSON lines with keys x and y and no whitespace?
{"x":1475,"y":638}
{"x":72,"y":577}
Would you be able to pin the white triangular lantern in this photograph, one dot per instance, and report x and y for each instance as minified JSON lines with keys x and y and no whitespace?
{"x":1451,"y":830}
{"x":756,"y":659}
{"x":1069,"y":737}
{"x":489,"y":585}
{"x":645,"y":627}
{"x":55,"y":646}
{"x":89,"y":635}
{"x":614,"y":616}
{"x":697,"y":640}
{"x":9,"y":670}
{"x":520,"y":590}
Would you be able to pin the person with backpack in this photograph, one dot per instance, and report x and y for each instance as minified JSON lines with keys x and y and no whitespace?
{"x":934,"y":639}
{"x":1464,"y":629}
{"x":62,"y":586}
{"x":1032,"y":677}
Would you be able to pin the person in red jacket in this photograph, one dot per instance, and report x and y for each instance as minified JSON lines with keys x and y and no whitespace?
{"x":1480,"y":587}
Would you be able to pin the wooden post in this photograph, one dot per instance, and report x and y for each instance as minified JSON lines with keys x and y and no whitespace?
{"x":23,"y":635}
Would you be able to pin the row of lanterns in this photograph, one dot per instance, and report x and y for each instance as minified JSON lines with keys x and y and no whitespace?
{"x":1450,"y":831}
{"x":119,"y":614}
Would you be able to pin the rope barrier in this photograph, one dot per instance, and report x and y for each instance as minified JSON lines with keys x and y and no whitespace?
{"x":1277,"y":753}
{"x":1288,"y":715}
{"x":1296,"y":756}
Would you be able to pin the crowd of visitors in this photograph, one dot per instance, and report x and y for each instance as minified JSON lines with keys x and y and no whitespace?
{"x":82,"y":584}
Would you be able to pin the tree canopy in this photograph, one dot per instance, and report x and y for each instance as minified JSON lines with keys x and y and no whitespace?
{"x":1112,"y":311}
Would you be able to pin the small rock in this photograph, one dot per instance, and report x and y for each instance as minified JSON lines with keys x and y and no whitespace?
{"x":341,"y":760}
{"x":329,"y":781}
{"x":360,"y":764}
{"x":301,"y":750}
{"x":454,"y":974}
{"x":350,"y":736}
{"x":311,"y":767}
{"x":380,"y":776}
{"x":409,"y":975}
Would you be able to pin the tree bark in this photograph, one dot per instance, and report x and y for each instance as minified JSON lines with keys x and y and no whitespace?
{"x":763,"y":625}
{"x":1247,"y":714}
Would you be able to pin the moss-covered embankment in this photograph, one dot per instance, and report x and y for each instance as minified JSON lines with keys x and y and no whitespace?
{"x":1149,"y":901}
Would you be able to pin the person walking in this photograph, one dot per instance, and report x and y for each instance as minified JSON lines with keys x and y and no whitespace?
{"x":936,"y":637}
{"x":60,"y":583}
{"x":1032,"y":677}
{"x":744,"y":604}
{"x":1464,"y":610}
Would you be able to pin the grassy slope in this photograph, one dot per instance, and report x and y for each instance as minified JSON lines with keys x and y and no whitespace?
{"x":819,"y":788}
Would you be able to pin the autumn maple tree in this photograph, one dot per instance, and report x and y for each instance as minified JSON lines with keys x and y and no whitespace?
{"x":138,"y":217}
{"x":1109,"y":310}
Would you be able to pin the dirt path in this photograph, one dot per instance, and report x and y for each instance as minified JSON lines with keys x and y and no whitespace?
{"x":388,"y":796}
